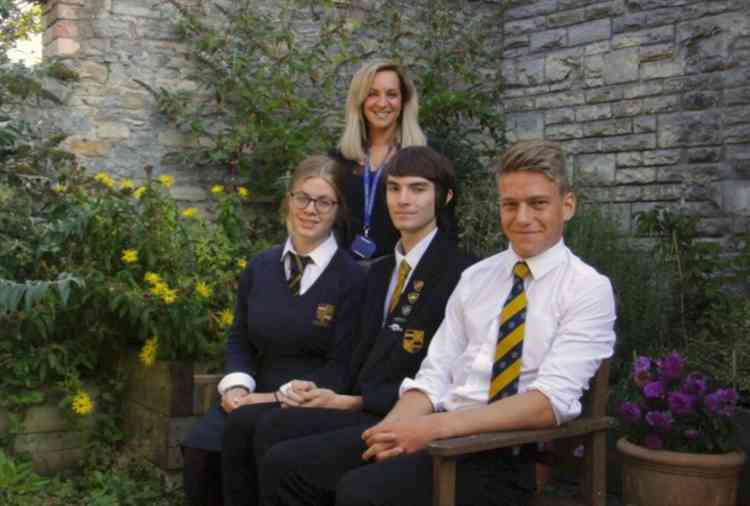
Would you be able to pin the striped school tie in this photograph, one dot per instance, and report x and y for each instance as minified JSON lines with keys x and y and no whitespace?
{"x":506,"y":368}
{"x":297,"y":266}
{"x":403,"y":271}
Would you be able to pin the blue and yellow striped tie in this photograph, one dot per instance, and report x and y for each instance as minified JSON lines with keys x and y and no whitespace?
{"x":506,"y":368}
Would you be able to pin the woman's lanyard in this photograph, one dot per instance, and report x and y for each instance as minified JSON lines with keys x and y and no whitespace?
{"x":370,"y":182}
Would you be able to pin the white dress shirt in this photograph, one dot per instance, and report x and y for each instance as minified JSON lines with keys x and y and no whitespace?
{"x":412,"y":258}
{"x":569,"y":331}
{"x":321,"y":257}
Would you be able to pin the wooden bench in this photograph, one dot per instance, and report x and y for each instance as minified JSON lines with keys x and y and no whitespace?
{"x":590,"y":429}
{"x":205,"y":394}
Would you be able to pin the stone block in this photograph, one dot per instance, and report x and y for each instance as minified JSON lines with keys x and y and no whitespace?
{"x":626,"y":108}
{"x":640,"y":175}
{"x":565,"y":18}
{"x":609,"y":9}
{"x":644,"y":124}
{"x":592,"y":31}
{"x":531,"y":8}
{"x":714,"y":227}
{"x":736,"y":197}
{"x":87,"y":148}
{"x":531,"y":71}
{"x":61,"y":48}
{"x":593,"y":112}
{"x":692,"y":174}
{"x":700,"y":100}
{"x":661,"y":70}
{"x":61,"y":11}
{"x":559,"y":67}
{"x":738,"y":157}
{"x":604,"y":94}
{"x":62,"y":28}
{"x":647,"y":37}
{"x":526,"y":125}
{"x":621,"y":66}
{"x":562,"y":115}
{"x":108,"y":130}
{"x":661,"y":157}
{"x":524,"y":26}
{"x":704,"y":155}
{"x":646,"y":5}
{"x":581,"y":146}
{"x":595,"y":169}
{"x":92,"y":71}
{"x":549,"y":39}
{"x":659,"y":52}
{"x":517,"y":42}
{"x":643,"y":89}
{"x":632,"y":142}
{"x":519,"y":104}
{"x":619,"y":126}
{"x":736,"y":115}
{"x":627,"y":193}
{"x":189,"y":193}
{"x":597,"y":48}
{"x":128,"y":9}
{"x":174,"y":139}
{"x":735,"y":134}
{"x":564,"y":132}
{"x":629,"y":159}
{"x":737,"y":96}
{"x":562,"y":99}
{"x":689,"y":129}
{"x":664,"y":103}
{"x":593,"y":66}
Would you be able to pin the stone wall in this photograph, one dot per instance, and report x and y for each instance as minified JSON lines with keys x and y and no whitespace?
{"x":651,"y":99}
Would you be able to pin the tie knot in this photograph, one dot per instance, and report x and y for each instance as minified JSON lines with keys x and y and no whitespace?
{"x":521,"y":270}
{"x":404,"y":268}
{"x":300,"y":260}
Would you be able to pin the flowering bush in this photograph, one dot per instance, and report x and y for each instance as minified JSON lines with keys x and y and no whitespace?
{"x":673,"y":409}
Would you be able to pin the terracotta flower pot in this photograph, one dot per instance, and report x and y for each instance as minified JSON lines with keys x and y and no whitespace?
{"x":665,"y":478}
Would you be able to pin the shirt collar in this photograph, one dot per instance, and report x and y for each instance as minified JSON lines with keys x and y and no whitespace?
{"x":320,"y":255}
{"x":541,"y":264}
{"x":416,"y":253}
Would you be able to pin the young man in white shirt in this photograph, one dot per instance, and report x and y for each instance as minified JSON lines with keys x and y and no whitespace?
{"x":516,"y":350}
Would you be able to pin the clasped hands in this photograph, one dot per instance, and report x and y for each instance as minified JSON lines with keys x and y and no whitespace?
{"x":391,"y":438}
{"x":306,"y":394}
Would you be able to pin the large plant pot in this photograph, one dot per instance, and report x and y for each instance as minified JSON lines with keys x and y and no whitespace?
{"x":665,"y":478}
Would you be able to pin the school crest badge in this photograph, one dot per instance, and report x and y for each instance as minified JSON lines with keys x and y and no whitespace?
{"x":324,"y":315}
{"x":412,"y":297}
{"x":413,"y":340}
{"x":418,"y":285}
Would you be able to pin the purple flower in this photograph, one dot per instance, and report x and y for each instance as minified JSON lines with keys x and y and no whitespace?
{"x":728,"y":398}
{"x":681,"y":403}
{"x":712,"y":402}
{"x":642,"y":371}
{"x":660,"y":420}
{"x":671,"y":366}
{"x":653,"y":441}
{"x":630,"y":412}
{"x":654,"y":390}
{"x":695,"y":384}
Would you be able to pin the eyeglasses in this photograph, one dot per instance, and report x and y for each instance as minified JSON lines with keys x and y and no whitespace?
{"x":301,"y":200}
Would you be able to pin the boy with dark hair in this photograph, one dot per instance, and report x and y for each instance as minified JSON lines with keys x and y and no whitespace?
{"x":404,"y":303}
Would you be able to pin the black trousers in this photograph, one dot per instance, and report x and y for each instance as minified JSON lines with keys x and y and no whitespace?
{"x":327,"y":469}
{"x":250,"y":433}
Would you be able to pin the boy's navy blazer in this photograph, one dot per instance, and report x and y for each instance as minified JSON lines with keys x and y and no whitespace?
{"x":390,"y":351}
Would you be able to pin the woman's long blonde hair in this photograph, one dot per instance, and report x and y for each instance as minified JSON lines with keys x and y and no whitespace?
{"x":354,"y":141}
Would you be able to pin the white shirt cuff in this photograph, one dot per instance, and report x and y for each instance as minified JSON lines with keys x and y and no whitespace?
{"x":236,"y":379}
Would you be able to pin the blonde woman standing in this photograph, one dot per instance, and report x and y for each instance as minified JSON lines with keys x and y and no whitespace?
{"x":381,"y":117}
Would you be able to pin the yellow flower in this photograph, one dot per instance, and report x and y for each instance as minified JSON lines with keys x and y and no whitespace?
{"x":138,"y":193}
{"x":129,"y":256}
{"x":126,"y":184}
{"x":217,"y":189}
{"x":152,"y":278}
{"x":148,"y":352}
{"x":241,"y":263}
{"x":242,"y":191}
{"x":82,"y":403}
{"x":159,"y":288}
{"x":203,"y":290}
{"x":189,"y":212}
{"x":169,"y":296}
{"x":104,"y":179}
{"x":226,"y":318}
{"x":58,"y":188}
{"x":166,"y":181}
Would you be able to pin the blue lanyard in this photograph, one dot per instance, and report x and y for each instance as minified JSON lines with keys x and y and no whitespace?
{"x":371,"y":187}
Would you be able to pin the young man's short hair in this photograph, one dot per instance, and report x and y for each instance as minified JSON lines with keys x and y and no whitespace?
{"x":543,"y":157}
{"x":423,"y":161}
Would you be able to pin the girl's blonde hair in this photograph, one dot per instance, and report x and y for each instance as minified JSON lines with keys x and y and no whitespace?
{"x":354,"y":141}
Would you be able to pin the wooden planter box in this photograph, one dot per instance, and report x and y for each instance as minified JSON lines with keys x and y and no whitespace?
{"x":161,"y":405}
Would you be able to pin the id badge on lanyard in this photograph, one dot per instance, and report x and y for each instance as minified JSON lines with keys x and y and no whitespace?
{"x":362,"y":245}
